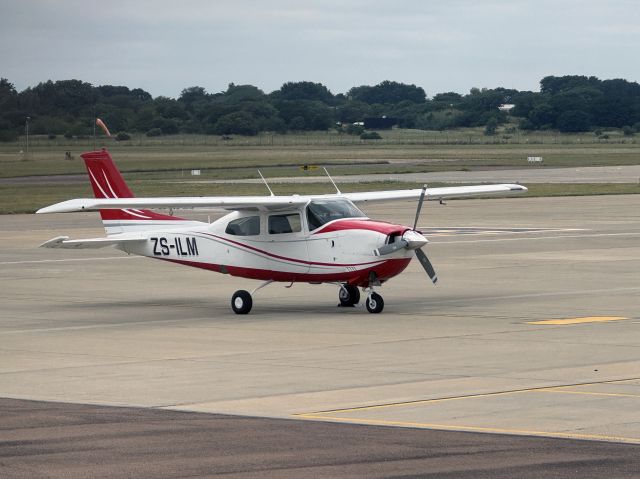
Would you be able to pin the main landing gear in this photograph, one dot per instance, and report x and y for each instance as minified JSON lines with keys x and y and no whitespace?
{"x":241,"y":302}
{"x":349,"y":296}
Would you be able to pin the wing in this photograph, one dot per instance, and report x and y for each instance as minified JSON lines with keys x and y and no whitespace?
{"x":225,"y":202}
{"x":65,"y":242}
{"x":271,"y":203}
{"x":436,"y":193}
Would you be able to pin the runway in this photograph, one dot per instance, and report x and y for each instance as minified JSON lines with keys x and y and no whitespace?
{"x":588,"y":174}
{"x":533,"y":329}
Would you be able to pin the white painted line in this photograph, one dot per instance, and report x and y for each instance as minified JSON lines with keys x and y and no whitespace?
{"x":435,"y":302}
{"x":537,"y":238}
{"x":101,"y":325}
{"x":69,"y":260}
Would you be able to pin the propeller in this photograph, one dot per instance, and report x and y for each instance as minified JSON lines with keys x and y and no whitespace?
{"x":414,"y":240}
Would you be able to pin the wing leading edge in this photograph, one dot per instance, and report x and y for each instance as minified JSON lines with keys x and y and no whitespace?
{"x":89,"y":243}
{"x":275,"y":202}
{"x":436,"y":193}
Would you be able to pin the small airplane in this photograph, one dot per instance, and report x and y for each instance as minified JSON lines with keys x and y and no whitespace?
{"x":312,"y":238}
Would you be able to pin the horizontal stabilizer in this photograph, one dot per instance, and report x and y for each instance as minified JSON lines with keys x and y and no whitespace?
{"x":89,"y":243}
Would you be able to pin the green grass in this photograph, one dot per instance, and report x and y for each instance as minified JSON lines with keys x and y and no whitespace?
{"x":399,"y":151}
{"x":152,"y":163}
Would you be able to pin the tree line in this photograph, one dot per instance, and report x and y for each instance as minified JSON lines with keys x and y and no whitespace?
{"x":68,"y":107}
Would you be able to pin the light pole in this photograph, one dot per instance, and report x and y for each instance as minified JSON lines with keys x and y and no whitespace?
{"x":26,"y":129}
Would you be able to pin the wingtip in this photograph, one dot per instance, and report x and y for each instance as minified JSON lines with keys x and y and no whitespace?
{"x":54,"y":242}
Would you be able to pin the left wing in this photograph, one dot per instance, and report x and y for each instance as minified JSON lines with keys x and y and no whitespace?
{"x":65,"y":242}
{"x":226,"y":202}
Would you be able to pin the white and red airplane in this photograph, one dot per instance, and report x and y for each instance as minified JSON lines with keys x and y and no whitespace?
{"x":294,"y":239}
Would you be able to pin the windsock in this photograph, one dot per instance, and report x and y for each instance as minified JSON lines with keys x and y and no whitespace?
{"x":101,"y":124}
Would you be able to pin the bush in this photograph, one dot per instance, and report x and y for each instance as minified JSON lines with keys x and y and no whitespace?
{"x":123,"y":136}
{"x":154,"y":132}
{"x":526,"y":124}
{"x":51,"y":136}
{"x":370,"y":135}
{"x":8,"y":135}
{"x":627,"y":130}
{"x":355,"y":129}
{"x":491,"y":128}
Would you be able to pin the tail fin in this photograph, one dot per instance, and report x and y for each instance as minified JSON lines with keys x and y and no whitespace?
{"x":107,"y":182}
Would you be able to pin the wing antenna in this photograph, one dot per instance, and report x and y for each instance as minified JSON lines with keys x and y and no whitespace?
{"x":334,"y":183}
{"x":266,"y":184}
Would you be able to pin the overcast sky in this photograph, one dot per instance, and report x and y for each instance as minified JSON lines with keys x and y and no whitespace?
{"x":164,"y":46}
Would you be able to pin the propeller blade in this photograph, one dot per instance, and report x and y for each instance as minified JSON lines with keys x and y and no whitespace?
{"x":391,"y":247}
{"x":426,"y":264}
{"x":424,"y":189}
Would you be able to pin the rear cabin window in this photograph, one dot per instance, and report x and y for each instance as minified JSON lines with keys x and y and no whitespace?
{"x":320,"y":212}
{"x":246,"y":226}
{"x":286,"y":223}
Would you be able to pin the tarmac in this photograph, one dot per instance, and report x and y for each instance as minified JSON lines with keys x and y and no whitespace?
{"x":532,"y":334}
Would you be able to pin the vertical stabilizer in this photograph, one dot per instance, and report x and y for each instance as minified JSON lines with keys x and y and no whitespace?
{"x":107,"y":182}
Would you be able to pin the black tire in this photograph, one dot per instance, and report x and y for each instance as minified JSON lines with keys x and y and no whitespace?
{"x":348,"y":295}
{"x":241,"y":302}
{"x":375,"y":303}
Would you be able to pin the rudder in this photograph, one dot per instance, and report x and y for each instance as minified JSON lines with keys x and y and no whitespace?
{"x":107,"y":182}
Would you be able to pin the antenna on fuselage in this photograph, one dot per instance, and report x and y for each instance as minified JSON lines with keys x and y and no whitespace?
{"x":266,"y":184}
{"x":334,"y":183}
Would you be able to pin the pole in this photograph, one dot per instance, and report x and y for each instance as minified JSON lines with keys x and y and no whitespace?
{"x":94,"y":128}
{"x":26,"y":128}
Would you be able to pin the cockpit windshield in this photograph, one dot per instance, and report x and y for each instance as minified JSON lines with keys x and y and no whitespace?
{"x":320,"y":212}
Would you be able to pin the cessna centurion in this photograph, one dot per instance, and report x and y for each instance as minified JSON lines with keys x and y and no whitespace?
{"x":312,"y":239}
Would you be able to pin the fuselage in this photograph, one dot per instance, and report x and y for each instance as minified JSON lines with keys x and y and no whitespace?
{"x":286,"y":245}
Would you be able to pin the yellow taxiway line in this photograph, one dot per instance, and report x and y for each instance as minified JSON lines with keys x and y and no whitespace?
{"x":587,"y":319}
{"x":342,"y":415}
{"x":463,"y":428}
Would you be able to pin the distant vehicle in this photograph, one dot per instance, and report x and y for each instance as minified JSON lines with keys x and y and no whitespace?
{"x":294,"y":239}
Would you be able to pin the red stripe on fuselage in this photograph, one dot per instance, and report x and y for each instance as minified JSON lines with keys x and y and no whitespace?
{"x":384,"y":271}
{"x":285,"y":258}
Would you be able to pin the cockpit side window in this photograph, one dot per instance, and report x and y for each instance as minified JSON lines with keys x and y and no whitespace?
{"x":284,"y":223}
{"x":245,"y":226}
{"x":320,"y":212}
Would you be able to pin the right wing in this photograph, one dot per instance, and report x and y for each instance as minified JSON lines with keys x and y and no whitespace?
{"x":435,"y":193}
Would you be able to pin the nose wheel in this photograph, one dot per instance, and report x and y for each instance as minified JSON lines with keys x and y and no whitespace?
{"x":374,"y":303}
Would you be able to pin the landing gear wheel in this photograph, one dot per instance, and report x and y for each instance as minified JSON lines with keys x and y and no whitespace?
{"x":348,"y":295}
{"x":375,"y":303}
{"x":241,"y":302}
